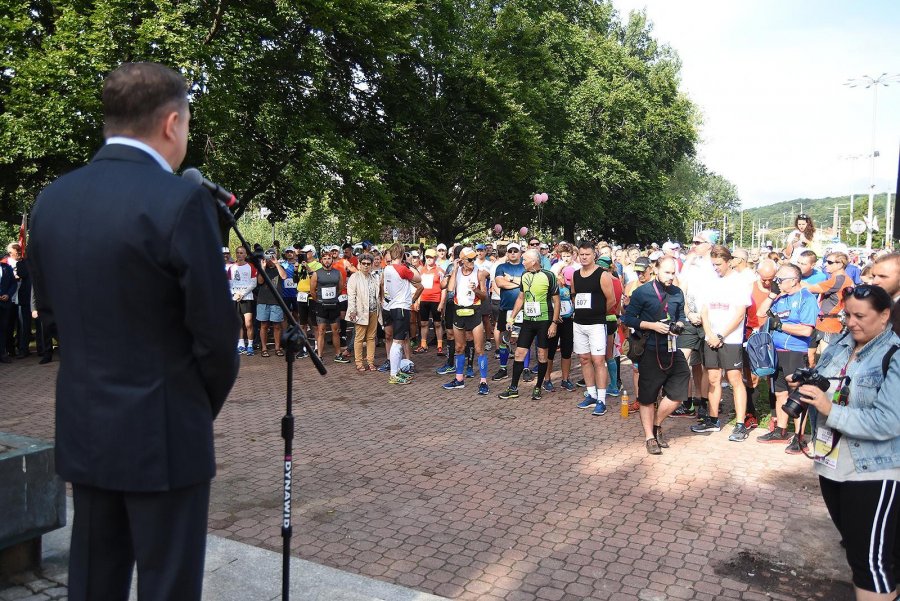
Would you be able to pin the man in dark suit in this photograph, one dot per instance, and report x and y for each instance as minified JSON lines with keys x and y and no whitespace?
{"x":8,"y":287}
{"x":125,"y":261}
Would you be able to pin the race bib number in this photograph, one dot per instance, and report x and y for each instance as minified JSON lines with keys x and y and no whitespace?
{"x":824,"y":444}
{"x":302,"y":297}
{"x":289,"y":283}
{"x":519,"y":317}
{"x":428,"y":281}
{"x":342,"y":298}
{"x":329,"y":293}
{"x":532,"y":308}
{"x":565,"y":307}
{"x":583,"y":300}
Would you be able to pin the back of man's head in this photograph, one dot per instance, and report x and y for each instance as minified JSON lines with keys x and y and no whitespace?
{"x":136,"y":95}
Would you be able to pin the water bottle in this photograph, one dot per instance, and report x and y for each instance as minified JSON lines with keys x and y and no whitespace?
{"x":624,"y":404}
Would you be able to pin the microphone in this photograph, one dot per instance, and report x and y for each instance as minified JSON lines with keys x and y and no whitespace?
{"x":218,"y":192}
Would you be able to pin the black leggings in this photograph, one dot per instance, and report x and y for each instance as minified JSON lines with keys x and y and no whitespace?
{"x":865,"y":513}
{"x":564,"y":339}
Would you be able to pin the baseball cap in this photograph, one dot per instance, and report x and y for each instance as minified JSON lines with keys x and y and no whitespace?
{"x":544,"y":245}
{"x":430,"y":253}
{"x":513,"y":245}
{"x":655,"y":255}
{"x":671,"y":245}
{"x":468,"y":253}
{"x":308,"y":248}
{"x":414,"y":253}
{"x":442,"y":246}
{"x":641,"y":264}
{"x":225,"y":249}
{"x":711,"y":236}
{"x":605,"y":262}
{"x":480,"y":247}
{"x":289,"y":249}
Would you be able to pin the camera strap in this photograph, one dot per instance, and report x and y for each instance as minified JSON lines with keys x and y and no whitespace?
{"x":665,"y":307}
{"x":841,"y":397}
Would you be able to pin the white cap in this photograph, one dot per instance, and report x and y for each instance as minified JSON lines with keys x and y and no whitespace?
{"x":671,"y":245}
{"x":655,"y":255}
{"x":414,"y":253}
{"x":225,"y":249}
{"x":308,"y":248}
{"x":512,"y":245}
{"x":441,"y":246}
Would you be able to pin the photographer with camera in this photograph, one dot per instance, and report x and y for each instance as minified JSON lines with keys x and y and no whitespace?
{"x":856,"y":435}
{"x":656,"y":310}
{"x":792,"y":312}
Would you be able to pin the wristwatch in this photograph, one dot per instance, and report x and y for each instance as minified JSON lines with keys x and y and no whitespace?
{"x":721,"y":338}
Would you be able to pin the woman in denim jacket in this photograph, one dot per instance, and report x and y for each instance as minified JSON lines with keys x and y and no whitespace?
{"x":857,"y":441}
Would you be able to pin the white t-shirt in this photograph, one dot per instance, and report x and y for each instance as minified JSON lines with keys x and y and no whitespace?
{"x":721,"y":300}
{"x":697,"y":276}
{"x":242,"y":279}
{"x":398,"y":288}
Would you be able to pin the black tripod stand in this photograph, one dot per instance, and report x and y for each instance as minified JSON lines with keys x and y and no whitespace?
{"x":292,"y":339}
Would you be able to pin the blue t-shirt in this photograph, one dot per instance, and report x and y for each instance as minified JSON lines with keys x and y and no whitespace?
{"x":855,"y":274}
{"x":288,"y":286}
{"x":816,"y":277}
{"x":798,"y":308}
{"x":508,"y":296}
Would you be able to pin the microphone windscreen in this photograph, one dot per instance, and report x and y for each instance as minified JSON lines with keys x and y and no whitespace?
{"x":193,"y":175}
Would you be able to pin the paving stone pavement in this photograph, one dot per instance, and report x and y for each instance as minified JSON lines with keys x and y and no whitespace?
{"x":472,"y":497}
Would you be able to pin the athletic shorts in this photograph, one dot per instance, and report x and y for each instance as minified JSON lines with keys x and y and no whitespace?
{"x":611,"y":327}
{"x":589,"y":338}
{"x":400,"y":320}
{"x":495,"y":310}
{"x":692,"y":337}
{"x":727,"y":356}
{"x":429,"y":310}
{"x":244,"y":307}
{"x":291,"y":303}
{"x":272,"y":313}
{"x":467,"y":322}
{"x":327,"y":314}
{"x":788,"y":362}
{"x":565,"y":338}
{"x":531,"y":331}
{"x":342,"y":306}
{"x":666,"y":371}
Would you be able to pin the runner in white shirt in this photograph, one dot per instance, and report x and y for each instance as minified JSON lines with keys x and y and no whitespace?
{"x":242,"y":277}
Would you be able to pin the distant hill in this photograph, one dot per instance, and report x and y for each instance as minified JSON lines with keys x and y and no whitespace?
{"x":778,"y":218}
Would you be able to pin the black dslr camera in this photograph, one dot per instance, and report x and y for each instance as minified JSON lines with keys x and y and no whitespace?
{"x":796,"y":404}
{"x":676,"y":328}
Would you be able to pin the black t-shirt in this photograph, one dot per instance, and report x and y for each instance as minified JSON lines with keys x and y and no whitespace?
{"x":265,"y":296}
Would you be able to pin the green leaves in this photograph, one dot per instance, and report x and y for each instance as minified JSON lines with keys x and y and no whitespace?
{"x":444,"y":115}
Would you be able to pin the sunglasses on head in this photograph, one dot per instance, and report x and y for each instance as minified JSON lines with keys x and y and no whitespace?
{"x":803,"y":216}
{"x":859,"y":292}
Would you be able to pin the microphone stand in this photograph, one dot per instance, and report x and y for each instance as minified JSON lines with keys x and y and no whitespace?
{"x":292,"y":339}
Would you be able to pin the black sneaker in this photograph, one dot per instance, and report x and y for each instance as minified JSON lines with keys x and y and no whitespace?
{"x":527,"y":375}
{"x":707,"y":425}
{"x":739,"y":434}
{"x":796,"y":446}
{"x":501,"y":374}
{"x":778,"y":436}
{"x":682,"y":411}
{"x":509,"y":393}
{"x":702,"y":412}
{"x":581,"y":383}
{"x":536,"y":394}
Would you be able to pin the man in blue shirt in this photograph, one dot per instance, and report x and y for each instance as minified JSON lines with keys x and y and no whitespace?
{"x":809,"y":274}
{"x":508,"y":278}
{"x":792,"y":311}
{"x":653,"y":306}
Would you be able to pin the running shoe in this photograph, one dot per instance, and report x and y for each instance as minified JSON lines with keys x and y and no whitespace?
{"x":501,"y":374}
{"x":536,"y":394}
{"x":509,"y":393}
{"x":445,"y":370}
{"x":548,"y":386}
{"x":587,"y":403}
{"x":567,"y":385}
{"x":600,"y":409}
{"x":707,"y":425}
{"x":483,"y":389}
{"x":454,"y":384}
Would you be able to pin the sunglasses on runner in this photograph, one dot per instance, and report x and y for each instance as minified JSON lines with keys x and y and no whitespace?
{"x":365,"y":263}
{"x":831,"y":262}
{"x":696,"y":242}
{"x":779,"y":280}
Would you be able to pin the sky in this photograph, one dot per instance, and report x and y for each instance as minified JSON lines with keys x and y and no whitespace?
{"x":768,"y":77}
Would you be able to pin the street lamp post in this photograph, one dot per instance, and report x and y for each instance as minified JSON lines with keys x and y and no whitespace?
{"x":867,"y":81}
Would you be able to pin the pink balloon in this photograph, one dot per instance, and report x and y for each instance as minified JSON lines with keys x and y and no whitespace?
{"x":498,"y":228}
{"x":537,"y":199}
{"x":544,"y":197}
{"x":523,"y":231}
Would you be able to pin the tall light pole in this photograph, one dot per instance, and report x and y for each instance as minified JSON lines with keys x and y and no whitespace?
{"x":867,"y":81}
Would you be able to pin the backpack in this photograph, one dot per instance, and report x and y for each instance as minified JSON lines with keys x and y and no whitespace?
{"x":761,"y":352}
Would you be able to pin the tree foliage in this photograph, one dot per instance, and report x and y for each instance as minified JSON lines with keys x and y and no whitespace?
{"x":441,"y":114}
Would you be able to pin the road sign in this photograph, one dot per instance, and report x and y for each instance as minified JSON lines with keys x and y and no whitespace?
{"x":858,"y":226}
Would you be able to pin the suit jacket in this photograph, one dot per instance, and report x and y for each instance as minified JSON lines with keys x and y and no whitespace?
{"x":8,"y":283}
{"x":126,"y":262}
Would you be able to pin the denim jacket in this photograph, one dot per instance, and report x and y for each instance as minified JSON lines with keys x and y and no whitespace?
{"x":870,"y":422}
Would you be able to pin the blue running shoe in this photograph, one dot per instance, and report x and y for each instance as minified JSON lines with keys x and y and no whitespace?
{"x":386,"y":366}
{"x":548,"y":386}
{"x":250,"y":351}
{"x":587,"y":403}
{"x":445,"y":370}
{"x":567,"y":385}
{"x":483,"y":389}
{"x":600,"y":409}
{"x":470,"y":373}
{"x":242,"y":350}
{"x":612,"y":391}
{"x":454,"y":384}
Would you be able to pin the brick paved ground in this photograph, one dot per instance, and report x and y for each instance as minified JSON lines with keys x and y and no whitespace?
{"x":472,"y":497}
